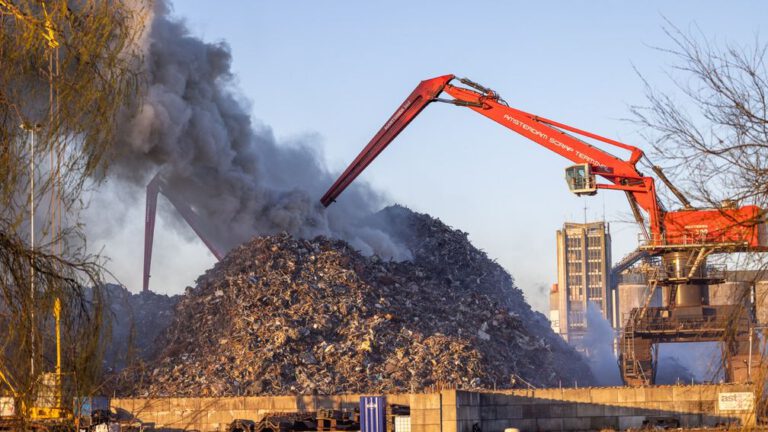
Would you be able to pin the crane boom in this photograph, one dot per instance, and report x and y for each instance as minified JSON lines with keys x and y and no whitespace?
{"x":156,"y":186}
{"x":548,"y":133}
{"x":424,"y":93}
{"x":552,"y":135}
{"x":731,"y":228}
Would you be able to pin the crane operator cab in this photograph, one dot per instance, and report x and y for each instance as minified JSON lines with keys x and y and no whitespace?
{"x":581,"y":179}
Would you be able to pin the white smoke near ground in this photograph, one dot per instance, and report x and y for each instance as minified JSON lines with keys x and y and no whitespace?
{"x":196,"y":131}
{"x":676,"y":362}
{"x":598,"y":346}
{"x":688,"y":362}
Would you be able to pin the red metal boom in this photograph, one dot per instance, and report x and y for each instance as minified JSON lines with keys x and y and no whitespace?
{"x":560,"y":138}
{"x":155,"y":187}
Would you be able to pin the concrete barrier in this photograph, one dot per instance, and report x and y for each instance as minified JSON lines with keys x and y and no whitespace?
{"x":215,"y":414}
{"x":617,"y":408}
{"x":567,"y":409}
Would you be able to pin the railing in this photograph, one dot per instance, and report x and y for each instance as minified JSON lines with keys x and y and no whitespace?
{"x":656,"y":322}
{"x":657,"y":271}
{"x":630,"y":366}
{"x":692,"y":240}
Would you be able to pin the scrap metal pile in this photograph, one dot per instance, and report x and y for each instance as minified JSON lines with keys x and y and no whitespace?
{"x":137,"y":320}
{"x":280,"y":315}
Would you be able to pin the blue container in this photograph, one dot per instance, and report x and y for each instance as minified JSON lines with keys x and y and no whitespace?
{"x":372,"y":413}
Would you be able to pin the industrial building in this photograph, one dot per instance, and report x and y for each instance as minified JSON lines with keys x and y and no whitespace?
{"x":675,"y":312}
{"x":583,"y":277}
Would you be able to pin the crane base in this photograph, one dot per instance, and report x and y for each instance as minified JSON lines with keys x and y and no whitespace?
{"x":730,"y":325}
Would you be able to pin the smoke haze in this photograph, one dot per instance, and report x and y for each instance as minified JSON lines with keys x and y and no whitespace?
{"x":677,"y":362}
{"x":195,"y":130}
{"x":599,"y":345}
{"x":689,"y":362}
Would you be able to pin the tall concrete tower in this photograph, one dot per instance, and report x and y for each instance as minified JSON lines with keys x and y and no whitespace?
{"x":583,"y":273}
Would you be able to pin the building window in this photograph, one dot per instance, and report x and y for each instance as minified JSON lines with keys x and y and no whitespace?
{"x":577,"y":319}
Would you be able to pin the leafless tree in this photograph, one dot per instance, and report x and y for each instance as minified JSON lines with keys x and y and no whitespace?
{"x":711,"y":131}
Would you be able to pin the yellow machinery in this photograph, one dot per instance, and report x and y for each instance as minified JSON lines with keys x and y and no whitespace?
{"x":48,"y":407}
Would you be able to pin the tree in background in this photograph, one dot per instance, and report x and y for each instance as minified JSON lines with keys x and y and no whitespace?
{"x":67,"y":68}
{"x":712,"y":133}
{"x":719,"y":151}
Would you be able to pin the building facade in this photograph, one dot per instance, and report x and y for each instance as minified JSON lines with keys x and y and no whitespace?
{"x":583,"y":277}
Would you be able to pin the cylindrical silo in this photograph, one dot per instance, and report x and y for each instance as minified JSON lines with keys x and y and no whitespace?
{"x":679,"y":265}
{"x":632,"y":296}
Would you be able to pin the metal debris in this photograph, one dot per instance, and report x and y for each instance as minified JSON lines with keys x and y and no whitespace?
{"x":280,"y":316}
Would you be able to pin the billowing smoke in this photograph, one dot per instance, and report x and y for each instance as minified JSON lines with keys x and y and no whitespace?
{"x":194,"y":129}
{"x":598,"y":344}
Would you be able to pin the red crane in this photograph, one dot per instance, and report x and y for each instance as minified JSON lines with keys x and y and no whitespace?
{"x":156,"y":186}
{"x":682,"y":239}
{"x":734,"y":229}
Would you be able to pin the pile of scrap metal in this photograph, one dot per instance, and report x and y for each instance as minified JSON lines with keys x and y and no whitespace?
{"x":136,"y":322}
{"x":285,"y":316}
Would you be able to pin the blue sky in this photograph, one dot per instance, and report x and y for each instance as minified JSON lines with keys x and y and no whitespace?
{"x":332,"y":72}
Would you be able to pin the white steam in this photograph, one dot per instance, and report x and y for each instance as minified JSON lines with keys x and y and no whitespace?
{"x":689,"y":362}
{"x":598,"y":343}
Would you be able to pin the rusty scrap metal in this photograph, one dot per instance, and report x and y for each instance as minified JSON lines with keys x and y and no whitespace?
{"x":280,"y":315}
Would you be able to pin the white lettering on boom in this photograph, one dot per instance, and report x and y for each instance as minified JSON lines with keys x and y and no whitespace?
{"x":552,"y":140}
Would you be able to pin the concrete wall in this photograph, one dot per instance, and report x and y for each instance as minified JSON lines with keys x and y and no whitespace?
{"x":617,"y":408}
{"x":215,"y":414}
{"x":633,"y":296}
{"x":458,"y":411}
{"x":730,"y":293}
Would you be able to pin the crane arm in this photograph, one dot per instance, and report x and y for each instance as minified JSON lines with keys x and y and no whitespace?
{"x":425,"y":92}
{"x":557,"y":137}
{"x":156,"y":186}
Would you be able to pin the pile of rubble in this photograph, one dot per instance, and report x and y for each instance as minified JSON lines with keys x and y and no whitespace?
{"x":284,"y":316}
{"x":448,"y":252}
{"x":137,"y":320}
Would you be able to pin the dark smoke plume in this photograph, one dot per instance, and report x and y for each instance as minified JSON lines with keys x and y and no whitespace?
{"x":194,"y":128}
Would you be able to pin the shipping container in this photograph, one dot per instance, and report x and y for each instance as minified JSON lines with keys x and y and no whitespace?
{"x":372,"y":413}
